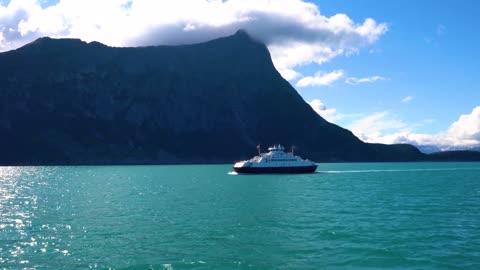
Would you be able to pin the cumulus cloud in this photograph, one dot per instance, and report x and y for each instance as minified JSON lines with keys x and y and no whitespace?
{"x":295,"y":31}
{"x":321,"y":78}
{"x":354,"y":81}
{"x":329,"y":114}
{"x":466,"y":130}
{"x":407,"y":99}
{"x":382,"y":128}
{"x":289,"y":74}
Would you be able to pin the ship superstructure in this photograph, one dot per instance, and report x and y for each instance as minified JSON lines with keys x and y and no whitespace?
{"x":275,"y":161}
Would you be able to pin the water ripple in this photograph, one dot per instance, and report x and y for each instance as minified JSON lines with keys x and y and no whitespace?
{"x":415,"y":216}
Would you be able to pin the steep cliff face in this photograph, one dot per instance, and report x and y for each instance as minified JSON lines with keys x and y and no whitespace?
{"x":63,"y":101}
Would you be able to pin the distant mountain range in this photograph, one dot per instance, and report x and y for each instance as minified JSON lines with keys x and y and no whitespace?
{"x":444,"y":148}
{"x":64,"y":101}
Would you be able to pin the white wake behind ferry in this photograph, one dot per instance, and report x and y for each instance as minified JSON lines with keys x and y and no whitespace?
{"x":275,"y":161}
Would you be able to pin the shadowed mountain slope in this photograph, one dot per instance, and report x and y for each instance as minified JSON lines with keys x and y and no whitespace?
{"x":64,"y":101}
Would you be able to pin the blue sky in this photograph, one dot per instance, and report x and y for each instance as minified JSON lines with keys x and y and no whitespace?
{"x":391,"y":71}
{"x":429,"y":53}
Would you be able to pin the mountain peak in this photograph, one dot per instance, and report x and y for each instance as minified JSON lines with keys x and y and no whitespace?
{"x":45,"y":44}
{"x":163,"y":104}
{"x":42,"y":39}
{"x":49,"y":39}
{"x":242,"y":33}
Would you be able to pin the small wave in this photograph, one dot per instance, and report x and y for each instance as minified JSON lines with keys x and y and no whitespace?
{"x":232,"y":173}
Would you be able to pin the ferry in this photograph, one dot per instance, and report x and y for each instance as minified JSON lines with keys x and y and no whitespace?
{"x":275,"y":161}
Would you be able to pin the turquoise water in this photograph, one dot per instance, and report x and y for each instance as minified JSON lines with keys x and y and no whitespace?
{"x":347,"y":216}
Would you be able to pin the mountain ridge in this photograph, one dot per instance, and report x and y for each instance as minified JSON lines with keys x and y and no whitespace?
{"x":65,"y":101}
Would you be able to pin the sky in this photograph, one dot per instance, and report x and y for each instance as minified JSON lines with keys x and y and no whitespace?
{"x":391,"y":71}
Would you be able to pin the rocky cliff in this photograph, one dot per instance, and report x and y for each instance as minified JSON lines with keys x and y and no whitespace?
{"x":64,"y":101}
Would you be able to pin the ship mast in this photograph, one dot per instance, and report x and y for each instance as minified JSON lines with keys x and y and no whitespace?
{"x":259,"y":150}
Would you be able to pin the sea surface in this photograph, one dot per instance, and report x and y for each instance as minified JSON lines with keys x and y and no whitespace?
{"x":345,"y":216}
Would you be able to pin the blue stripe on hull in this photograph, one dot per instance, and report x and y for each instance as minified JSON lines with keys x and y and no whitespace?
{"x":304,"y":169}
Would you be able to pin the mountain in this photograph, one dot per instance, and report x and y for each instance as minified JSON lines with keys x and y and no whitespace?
{"x":464,"y":155}
{"x":64,"y":101}
{"x":428,"y":149}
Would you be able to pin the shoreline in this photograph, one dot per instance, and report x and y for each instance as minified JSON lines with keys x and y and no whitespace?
{"x":219,"y":163}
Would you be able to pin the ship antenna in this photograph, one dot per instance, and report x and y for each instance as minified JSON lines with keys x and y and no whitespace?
{"x":259,"y":150}
{"x":293,"y":149}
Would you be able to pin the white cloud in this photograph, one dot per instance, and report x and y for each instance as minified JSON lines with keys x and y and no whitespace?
{"x":354,"y":81}
{"x":295,"y":31}
{"x":371,"y":127}
{"x":321,"y":78}
{"x":301,"y":53}
{"x":1,"y":40}
{"x":466,"y":130}
{"x":289,"y":74}
{"x":329,"y":114}
{"x":381,"y":128}
{"x":407,"y":99}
